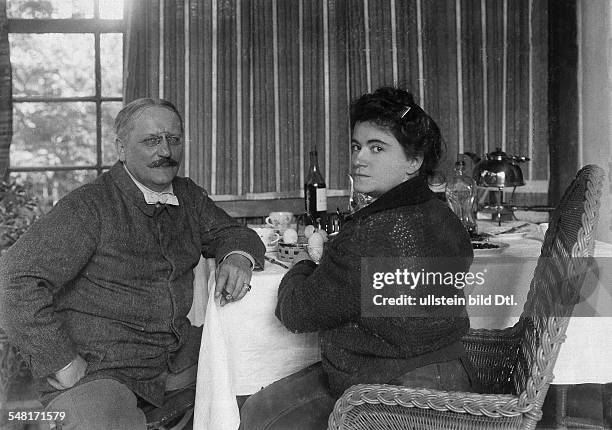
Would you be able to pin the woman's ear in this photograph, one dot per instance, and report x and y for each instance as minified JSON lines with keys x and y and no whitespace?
{"x":414,"y":165}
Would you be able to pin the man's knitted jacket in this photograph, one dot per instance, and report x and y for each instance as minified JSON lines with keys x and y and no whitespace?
{"x":109,"y":277}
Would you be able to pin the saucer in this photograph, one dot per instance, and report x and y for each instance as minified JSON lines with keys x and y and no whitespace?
{"x":508,"y":236}
{"x":484,"y":249}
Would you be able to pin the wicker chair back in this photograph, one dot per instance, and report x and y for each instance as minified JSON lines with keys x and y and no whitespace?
{"x":564,"y":262}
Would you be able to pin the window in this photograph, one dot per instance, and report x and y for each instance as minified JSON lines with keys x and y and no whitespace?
{"x":67,"y":65}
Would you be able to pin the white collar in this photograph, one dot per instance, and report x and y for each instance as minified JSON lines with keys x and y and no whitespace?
{"x":166,"y":196}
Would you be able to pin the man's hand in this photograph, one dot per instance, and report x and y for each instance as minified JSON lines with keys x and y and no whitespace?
{"x":68,"y":376}
{"x":233,"y":278}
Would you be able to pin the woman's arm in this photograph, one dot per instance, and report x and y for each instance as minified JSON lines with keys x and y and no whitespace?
{"x":312,"y":298}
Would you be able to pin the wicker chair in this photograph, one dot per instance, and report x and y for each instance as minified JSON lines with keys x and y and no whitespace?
{"x":514,"y":366}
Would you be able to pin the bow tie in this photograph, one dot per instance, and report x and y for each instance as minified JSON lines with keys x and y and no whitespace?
{"x":163,"y":198}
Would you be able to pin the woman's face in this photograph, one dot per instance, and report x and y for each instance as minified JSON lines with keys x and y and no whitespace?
{"x":379,"y":162}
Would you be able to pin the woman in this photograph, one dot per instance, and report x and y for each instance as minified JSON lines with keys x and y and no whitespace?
{"x":396,"y":146}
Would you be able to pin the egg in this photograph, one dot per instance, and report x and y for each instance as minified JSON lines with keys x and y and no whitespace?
{"x":290,"y":236}
{"x":316,"y":240}
{"x":309,"y":230}
{"x":315,"y":252}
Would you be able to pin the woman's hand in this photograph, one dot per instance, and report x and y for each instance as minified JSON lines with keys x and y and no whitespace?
{"x":68,"y":376}
{"x":233,"y":278}
{"x":302,"y":255}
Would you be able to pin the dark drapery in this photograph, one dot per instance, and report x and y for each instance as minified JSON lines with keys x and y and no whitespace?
{"x":261,"y":82}
{"x":6,"y":98}
{"x":141,"y":50}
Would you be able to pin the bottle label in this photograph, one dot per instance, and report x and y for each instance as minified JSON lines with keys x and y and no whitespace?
{"x":321,"y":199}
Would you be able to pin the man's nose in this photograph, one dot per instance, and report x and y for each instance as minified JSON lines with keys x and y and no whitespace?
{"x":163,"y":148}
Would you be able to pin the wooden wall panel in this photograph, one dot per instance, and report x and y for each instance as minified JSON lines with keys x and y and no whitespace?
{"x":494,"y":48}
{"x":174,"y":53}
{"x":359,"y":78}
{"x":246,"y":96}
{"x":517,"y":83}
{"x":200,"y":91}
{"x":313,"y":78}
{"x":407,"y":46}
{"x":226,"y":117}
{"x":538,"y":166}
{"x":472,"y":51}
{"x":440,"y":72}
{"x":381,"y":47}
{"x":289,"y":95}
{"x":263,"y":90}
{"x":339,"y":96}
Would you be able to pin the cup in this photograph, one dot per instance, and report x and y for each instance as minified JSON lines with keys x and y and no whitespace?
{"x":543,"y":228}
{"x":280,"y":221}
{"x":268,"y":236}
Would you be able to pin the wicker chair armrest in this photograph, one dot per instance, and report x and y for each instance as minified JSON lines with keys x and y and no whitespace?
{"x":490,"y":405}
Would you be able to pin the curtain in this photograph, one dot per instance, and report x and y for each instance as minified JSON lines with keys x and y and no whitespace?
{"x":141,"y":50}
{"x":6,"y":98}
{"x":262,"y":82}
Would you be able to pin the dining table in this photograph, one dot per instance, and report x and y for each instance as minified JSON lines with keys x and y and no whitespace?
{"x":245,"y":347}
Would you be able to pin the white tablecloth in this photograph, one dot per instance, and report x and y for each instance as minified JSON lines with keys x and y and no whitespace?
{"x":244,"y":346}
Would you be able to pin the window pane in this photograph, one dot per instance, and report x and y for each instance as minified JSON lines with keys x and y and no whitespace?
{"x":109,"y":112}
{"x":49,"y":187}
{"x":53,"y":134}
{"x":111,"y":9}
{"x":50,"y":8}
{"x":60,"y":65}
{"x":111,"y":62}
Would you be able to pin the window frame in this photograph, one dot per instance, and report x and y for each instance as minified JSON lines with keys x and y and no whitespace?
{"x":95,"y":26}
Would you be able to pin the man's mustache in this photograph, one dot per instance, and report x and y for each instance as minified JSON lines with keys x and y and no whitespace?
{"x":162,"y":162}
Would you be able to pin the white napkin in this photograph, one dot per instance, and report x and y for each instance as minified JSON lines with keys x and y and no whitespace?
{"x":215,"y":403}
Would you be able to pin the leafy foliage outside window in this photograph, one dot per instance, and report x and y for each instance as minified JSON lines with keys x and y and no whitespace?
{"x":62,"y":119}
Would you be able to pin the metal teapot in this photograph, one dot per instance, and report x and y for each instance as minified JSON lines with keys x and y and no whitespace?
{"x":497,"y":169}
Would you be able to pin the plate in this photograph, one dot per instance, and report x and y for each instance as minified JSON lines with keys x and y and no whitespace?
{"x":531,"y":216}
{"x":482,"y":248}
{"x":508,"y":236}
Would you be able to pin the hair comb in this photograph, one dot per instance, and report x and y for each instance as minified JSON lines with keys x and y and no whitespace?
{"x":405,"y":111}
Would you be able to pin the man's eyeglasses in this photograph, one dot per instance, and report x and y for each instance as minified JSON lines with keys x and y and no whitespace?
{"x":172,"y":140}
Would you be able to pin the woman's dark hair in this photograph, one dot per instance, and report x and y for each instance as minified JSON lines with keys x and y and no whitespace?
{"x":395,"y":110}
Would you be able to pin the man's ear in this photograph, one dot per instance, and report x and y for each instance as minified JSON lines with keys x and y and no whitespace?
{"x":414,"y":165}
{"x":120,"y":147}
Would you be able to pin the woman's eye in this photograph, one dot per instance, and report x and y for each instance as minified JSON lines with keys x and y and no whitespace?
{"x":355,"y":147}
{"x":376,"y":148}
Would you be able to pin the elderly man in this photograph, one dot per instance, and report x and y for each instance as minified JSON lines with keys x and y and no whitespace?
{"x":96,"y":294}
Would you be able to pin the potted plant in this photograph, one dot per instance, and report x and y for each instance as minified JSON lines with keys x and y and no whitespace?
{"x":18,"y":211}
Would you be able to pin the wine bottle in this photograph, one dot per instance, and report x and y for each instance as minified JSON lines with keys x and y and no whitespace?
{"x":315,"y":192}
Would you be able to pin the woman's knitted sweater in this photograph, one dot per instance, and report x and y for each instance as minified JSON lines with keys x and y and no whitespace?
{"x":407,"y":221}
